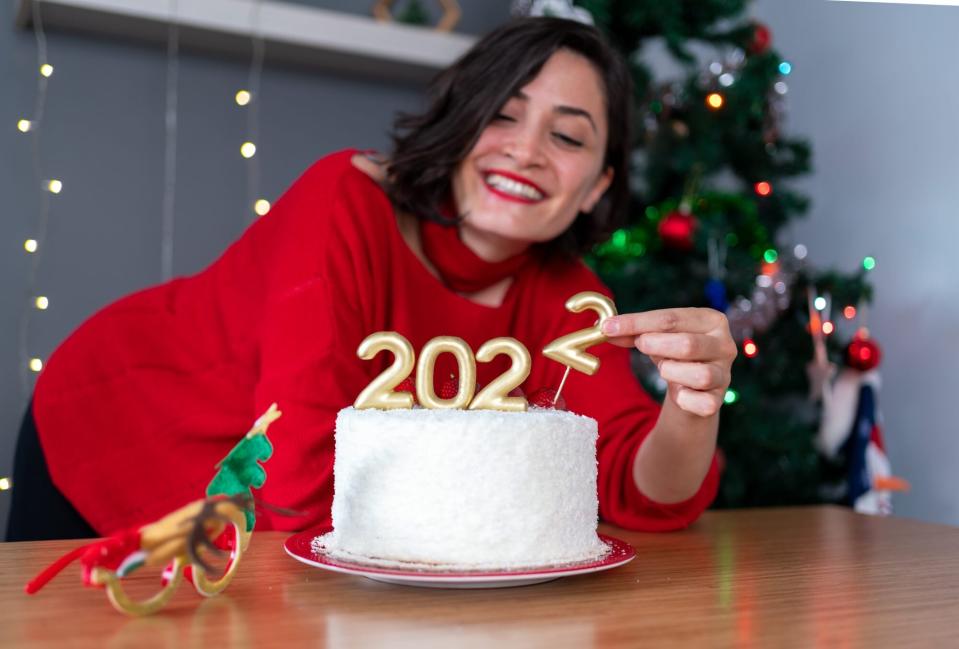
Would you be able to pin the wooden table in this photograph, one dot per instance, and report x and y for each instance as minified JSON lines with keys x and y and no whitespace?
{"x":799,"y":577}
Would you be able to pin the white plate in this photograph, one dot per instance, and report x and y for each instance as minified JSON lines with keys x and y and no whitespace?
{"x":299,"y":546}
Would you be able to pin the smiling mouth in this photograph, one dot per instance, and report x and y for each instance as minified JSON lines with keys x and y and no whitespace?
{"x":512,"y":189}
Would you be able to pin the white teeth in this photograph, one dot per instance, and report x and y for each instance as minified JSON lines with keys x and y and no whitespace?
{"x":513,"y":187}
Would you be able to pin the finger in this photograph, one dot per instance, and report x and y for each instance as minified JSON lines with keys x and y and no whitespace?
{"x":696,"y":320}
{"x":697,"y":376}
{"x":703,"y":404}
{"x":682,"y":346}
{"x":622,"y":341}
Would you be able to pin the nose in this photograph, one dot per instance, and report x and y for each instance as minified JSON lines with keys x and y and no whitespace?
{"x":525,"y":147}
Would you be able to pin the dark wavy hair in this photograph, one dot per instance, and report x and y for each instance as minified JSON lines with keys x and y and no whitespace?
{"x":465,"y":97}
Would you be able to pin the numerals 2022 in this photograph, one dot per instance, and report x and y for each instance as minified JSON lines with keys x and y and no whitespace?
{"x":570,"y":350}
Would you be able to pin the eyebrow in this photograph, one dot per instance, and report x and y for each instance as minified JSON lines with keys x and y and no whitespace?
{"x":564,"y":110}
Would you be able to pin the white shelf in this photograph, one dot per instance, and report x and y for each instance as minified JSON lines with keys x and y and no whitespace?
{"x":293,"y":33}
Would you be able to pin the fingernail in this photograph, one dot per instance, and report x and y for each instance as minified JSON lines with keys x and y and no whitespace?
{"x":610,"y":327}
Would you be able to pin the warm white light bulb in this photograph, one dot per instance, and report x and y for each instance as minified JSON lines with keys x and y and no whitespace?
{"x":24,"y":125}
{"x":247,"y":149}
{"x":5,"y":484}
{"x":261,"y":207}
{"x":36,"y":364}
{"x":55,"y":186}
{"x":243,"y":97}
{"x":30,"y":245}
{"x":46,"y":69}
{"x":42,"y":302}
{"x":714,"y":100}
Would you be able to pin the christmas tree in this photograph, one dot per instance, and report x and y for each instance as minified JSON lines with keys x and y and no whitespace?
{"x":711,"y":193}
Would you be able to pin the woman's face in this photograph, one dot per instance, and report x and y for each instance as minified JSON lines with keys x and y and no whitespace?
{"x":539,"y":162}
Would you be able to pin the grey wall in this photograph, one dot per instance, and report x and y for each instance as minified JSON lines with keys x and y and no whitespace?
{"x":874,"y":87}
{"x":103,"y":136}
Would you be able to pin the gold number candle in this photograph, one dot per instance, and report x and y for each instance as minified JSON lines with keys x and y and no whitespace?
{"x":570,"y":350}
{"x":424,"y":372}
{"x":495,"y":395}
{"x":379,"y":393}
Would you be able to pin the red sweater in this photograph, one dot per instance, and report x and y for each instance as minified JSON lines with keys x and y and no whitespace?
{"x":138,"y":404}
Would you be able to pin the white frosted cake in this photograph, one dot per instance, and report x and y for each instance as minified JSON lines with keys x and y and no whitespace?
{"x":461,"y":489}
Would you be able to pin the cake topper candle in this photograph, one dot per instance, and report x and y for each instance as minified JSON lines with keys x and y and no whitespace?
{"x":495,"y":396}
{"x":379,"y":393}
{"x":467,"y":372}
{"x":570,"y":350}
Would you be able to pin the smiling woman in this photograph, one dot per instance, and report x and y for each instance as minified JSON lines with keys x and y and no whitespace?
{"x":524,"y":115}
{"x":472,"y":228}
{"x":539,"y":164}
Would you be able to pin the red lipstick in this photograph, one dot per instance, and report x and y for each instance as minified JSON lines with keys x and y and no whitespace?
{"x":517,"y":178}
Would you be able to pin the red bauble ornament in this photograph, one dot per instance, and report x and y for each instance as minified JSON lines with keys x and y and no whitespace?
{"x":762,"y":39}
{"x":863,"y":354}
{"x":676,"y":230}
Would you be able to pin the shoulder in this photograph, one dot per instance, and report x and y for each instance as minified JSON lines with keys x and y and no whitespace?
{"x":330,"y":186}
{"x":372,"y":164}
{"x":333,"y":170}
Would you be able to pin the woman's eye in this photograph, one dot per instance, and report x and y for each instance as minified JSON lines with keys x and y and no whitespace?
{"x":565,"y":139}
{"x":503,"y":117}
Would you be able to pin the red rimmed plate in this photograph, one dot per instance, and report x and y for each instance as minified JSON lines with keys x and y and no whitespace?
{"x":299,"y":546}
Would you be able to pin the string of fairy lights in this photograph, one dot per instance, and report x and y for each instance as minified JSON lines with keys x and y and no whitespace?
{"x":250,"y":98}
{"x":34,"y":300}
{"x":247,"y":98}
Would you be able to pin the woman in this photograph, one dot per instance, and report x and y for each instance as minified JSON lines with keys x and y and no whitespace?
{"x":471,"y":229}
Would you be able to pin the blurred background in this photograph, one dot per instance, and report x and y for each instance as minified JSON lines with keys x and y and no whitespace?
{"x":793,"y":160}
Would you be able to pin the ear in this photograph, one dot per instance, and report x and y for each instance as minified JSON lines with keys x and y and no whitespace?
{"x":595,"y":193}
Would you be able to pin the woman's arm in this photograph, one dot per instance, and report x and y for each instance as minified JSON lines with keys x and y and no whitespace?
{"x":674,"y":458}
{"x":694,"y":351}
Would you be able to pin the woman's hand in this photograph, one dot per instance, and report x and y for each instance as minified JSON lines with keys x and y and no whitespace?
{"x":692,"y":348}
{"x":694,"y":352}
